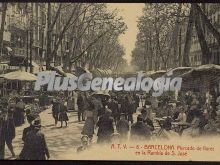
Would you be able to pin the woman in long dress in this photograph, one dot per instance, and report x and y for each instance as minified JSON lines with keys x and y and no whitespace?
{"x":88,"y":128}
{"x":62,"y":113}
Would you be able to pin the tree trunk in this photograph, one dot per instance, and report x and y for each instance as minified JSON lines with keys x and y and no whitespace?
{"x":201,"y":37}
{"x":4,"y":10}
{"x":189,"y":32}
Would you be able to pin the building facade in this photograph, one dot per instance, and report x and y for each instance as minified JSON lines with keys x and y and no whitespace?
{"x":20,"y":44}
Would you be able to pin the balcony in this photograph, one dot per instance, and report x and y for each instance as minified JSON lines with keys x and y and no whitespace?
{"x":17,"y":22}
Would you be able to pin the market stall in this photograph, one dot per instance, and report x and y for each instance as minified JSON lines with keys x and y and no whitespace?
{"x":155,"y":74}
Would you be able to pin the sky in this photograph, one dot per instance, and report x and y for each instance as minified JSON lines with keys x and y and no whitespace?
{"x":130,"y":12}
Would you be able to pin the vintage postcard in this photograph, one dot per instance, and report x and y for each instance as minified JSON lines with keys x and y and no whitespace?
{"x":110,"y":81}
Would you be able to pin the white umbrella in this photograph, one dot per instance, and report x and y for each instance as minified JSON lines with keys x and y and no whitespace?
{"x":20,"y":75}
{"x":101,"y":92}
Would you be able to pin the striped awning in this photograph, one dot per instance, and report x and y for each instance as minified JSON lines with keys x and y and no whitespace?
{"x":101,"y":72}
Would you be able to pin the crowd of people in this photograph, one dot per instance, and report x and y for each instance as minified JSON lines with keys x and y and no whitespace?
{"x":190,"y":115}
{"x":111,"y":116}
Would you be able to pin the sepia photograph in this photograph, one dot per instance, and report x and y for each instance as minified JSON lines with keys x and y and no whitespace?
{"x":110,"y":81}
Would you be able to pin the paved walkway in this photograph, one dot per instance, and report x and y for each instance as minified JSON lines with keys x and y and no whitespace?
{"x":61,"y":141}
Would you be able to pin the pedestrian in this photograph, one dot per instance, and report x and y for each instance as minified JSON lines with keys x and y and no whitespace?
{"x":88,"y":128}
{"x":55,"y":110}
{"x":19,"y":108}
{"x":31,"y":117}
{"x":137,"y":101}
{"x":123,"y":106}
{"x":97,"y":107}
{"x":113,"y":106}
{"x":16,"y":113}
{"x":130,"y":108}
{"x":146,"y":118}
{"x":62,"y":113}
{"x":140,"y":130}
{"x":7,"y":128}
{"x":105,"y":126}
{"x":35,"y":143}
{"x":123,"y":128}
{"x":80,"y":104}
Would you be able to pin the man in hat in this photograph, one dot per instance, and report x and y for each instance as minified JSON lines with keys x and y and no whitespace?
{"x":105,"y":127}
{"x":140,"y":130}
{"x":123,"y":128}
{"x":35,"y":143}
{"x":31,"y":116}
